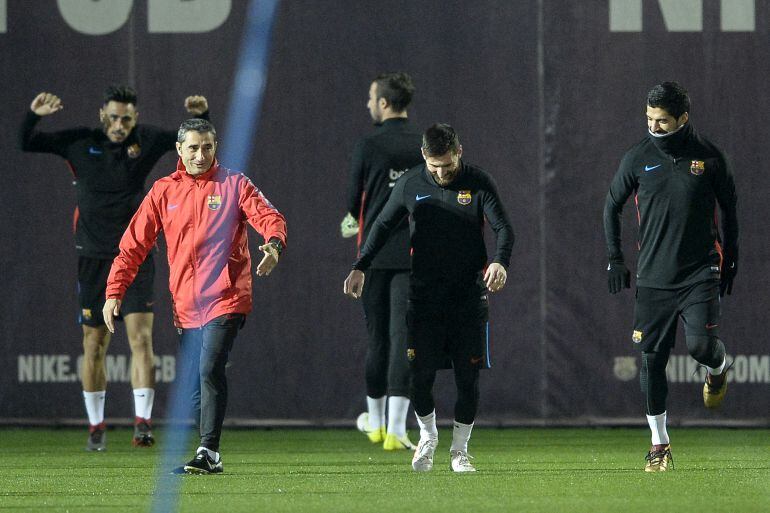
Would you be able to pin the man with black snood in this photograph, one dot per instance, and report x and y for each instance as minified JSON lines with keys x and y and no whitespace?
{"x":678,"y":179}
{"x":379,"y":159}
{"x":448,"y":203}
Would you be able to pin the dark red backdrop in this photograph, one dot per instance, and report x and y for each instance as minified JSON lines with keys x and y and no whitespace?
{"x":546,"y":97}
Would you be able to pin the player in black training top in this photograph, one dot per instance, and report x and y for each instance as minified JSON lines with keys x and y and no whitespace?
{"x":379,"y":159}
{"x":677,"y":178}
{"x":448,"y":203}
{"x":110,"y":165}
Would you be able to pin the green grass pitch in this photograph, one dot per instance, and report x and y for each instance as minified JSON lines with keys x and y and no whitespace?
{"x":528,"y":470}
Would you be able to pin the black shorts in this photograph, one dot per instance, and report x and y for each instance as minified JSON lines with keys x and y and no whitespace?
{"x":92,"y":284}
{"x":657,"y":311}
{"x":441,"y":336}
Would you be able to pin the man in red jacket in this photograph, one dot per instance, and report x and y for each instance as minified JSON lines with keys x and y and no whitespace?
{"x":202,"y":209}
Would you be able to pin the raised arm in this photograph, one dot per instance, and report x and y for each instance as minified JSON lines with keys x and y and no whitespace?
{"x":44,"y":104}
{"x":197,"y":106}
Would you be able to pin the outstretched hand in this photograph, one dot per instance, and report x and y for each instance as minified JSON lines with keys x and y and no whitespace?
{"x":269,"y":261}
{"x":196,"y":105}
{"x":45,"y":104}
{"x":495,"y":277}
{"x":110,"y":311}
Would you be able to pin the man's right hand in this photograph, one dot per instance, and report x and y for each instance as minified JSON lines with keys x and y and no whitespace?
{"x":354,"y":284}
{"x":45,"y":104}
{"x":618,"y":277}
{"x":110,"y":311}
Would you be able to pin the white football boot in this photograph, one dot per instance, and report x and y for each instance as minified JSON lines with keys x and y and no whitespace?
{"x":461,"y":461}
{"x":422,"y":461}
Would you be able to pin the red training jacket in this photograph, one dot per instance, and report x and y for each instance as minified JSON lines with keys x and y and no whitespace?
{"x":204,"y":223}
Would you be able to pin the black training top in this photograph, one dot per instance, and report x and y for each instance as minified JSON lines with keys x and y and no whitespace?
{"x":109,"y":177}
{"x":446,"y":231}
{"x":677,"y":181}
{"x":379,"y":160}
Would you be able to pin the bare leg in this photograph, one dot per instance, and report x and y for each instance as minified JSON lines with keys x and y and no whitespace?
{"x":139,"y":332}
{"x":94,"y":379}
{"x":95,"y":343}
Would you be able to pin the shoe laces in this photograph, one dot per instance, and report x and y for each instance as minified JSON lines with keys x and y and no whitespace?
{"x":142,"y":422}
{"x":462,"y":457}
{"x":426,"y":448}
{"x":94,"y":428}
{"x":657,"y":457}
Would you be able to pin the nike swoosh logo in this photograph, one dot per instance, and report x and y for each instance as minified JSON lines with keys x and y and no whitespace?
{"x":172,"y":207}
{"x":94,"y":151}
{"x":711,"y":326}
{"x":650,"y":168}
{"x":419,"y":198}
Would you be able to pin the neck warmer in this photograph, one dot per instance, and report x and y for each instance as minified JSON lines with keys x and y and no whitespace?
{"x":672,"y":143}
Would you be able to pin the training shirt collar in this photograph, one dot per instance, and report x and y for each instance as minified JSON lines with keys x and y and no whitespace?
{"x":184,"y":175}
{"x":673,"y":142}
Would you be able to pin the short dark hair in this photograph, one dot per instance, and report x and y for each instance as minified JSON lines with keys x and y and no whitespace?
{"x":397,"y":89}
{"x":120,"y":94}
{"x":194,"y":125}
{"x":671,"y":97}
{"x":439,"y":139}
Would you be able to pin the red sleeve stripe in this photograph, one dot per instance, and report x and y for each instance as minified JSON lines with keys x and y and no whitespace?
{"x":361,"y":224}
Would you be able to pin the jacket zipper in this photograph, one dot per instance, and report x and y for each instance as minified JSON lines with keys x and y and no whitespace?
{"x":196,"y":223}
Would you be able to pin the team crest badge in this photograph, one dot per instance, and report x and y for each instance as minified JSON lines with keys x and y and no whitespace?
{"x":464,"y":197}
{"x":87,"y":315}
{"x":214,"y":201}
{"x":637,"y":336}
{"x":697,"y":167}
{"x":134,"y":151}
{"x":624,"y":368}
{"x":410,"y":354}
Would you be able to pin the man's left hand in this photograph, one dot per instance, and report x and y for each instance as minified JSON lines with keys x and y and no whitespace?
{"x":495,"y":277}
{"x":349,"y":226}
{"x":269,"y":261}
{"x":196,"y":105}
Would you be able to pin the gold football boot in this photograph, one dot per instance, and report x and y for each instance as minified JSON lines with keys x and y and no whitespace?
{"x":659,"y":460}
